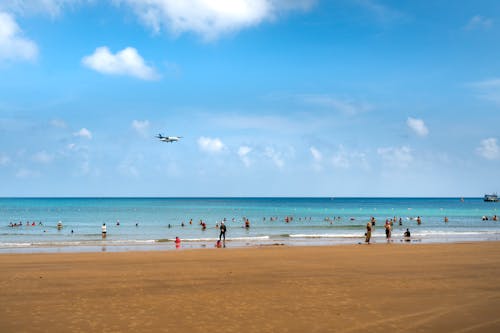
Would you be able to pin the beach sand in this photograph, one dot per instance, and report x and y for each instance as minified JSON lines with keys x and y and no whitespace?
{"x":355,"y":288}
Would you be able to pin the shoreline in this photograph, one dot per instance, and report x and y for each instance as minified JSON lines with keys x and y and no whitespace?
{"x":169,"y":245}
{"x":346,"y":288}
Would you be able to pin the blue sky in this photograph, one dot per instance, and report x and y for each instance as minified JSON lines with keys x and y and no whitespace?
{"x":272,"y":98}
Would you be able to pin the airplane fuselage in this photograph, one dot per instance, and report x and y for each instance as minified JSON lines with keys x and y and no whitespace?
{"x":170,"y":139}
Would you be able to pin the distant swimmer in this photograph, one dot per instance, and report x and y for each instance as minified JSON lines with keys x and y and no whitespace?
{"x":495,"y":218}
{"x":419,"y":220}
{"x":446,"y":219}
{"x":59,"y":225}
{"x":247,"y":224}
{"x":103,"y":228}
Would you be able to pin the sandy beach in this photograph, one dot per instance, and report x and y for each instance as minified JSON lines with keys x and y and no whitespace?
{"x":359,"y":288}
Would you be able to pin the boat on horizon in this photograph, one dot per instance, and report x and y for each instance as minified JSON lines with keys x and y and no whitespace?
{"x":491,"y":197}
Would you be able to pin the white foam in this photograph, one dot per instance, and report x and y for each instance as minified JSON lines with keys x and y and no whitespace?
{"x":354,"y":235}
{"x":15,"y":244}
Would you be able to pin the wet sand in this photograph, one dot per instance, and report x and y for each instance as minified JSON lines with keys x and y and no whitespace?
{"x":355,"y":288}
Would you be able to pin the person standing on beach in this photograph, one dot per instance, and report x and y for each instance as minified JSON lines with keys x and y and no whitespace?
{"x":103,"y":228}
{"x":222,"y":231}
{"x":368,"y":232}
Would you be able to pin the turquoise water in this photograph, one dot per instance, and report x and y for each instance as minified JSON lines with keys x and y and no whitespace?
{"x":316,"y":221}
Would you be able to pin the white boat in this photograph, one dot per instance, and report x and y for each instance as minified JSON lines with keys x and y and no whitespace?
{"x":491,"y":198}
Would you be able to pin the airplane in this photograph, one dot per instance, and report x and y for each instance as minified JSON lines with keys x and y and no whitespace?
{"x":168,"y":138}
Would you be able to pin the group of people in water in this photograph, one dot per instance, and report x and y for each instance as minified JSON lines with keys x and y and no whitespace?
{"x":28,"y":224}
{"x":370,"y":226}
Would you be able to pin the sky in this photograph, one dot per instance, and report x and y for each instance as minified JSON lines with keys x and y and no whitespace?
{"x":330,"y":98}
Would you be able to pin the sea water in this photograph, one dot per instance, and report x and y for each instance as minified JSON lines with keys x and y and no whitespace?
{"x":153,"y":223}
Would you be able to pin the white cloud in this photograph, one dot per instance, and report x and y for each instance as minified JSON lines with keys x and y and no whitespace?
{"x":243,"y":152}
{"x":346,"y":106}
{"x":275,"y":156}
{"x":211,"y":145}
{"x":210,"y":18}
{"x":141,"y":126}
{"x":479,"y":22}
{"x":340,"y":160}
{"x":83,"y":133}
{"x":345,"y":158}
{"x":43,"y":157}
{"x":13,"y":46}
{"x":125,"y":62}
{"x":4,"y":160}
{"x":400,"y":157}
{"x":316,"y":154}
{"x":417,"y":126}
{"x":489,"y":149}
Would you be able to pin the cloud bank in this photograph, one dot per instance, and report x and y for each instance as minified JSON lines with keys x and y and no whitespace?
{"x":210,"y":18}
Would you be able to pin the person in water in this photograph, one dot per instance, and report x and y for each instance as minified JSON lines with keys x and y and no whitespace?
{"x":103,"y":228}
{"x":387,"y":230}
{"x":222,"y":234}
{"x":407,"y":235}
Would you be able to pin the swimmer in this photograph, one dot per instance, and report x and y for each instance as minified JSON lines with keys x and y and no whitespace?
{"x":407,"y":235}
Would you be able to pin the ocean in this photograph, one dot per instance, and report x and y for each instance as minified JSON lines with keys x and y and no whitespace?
{"x":153,"y":223}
